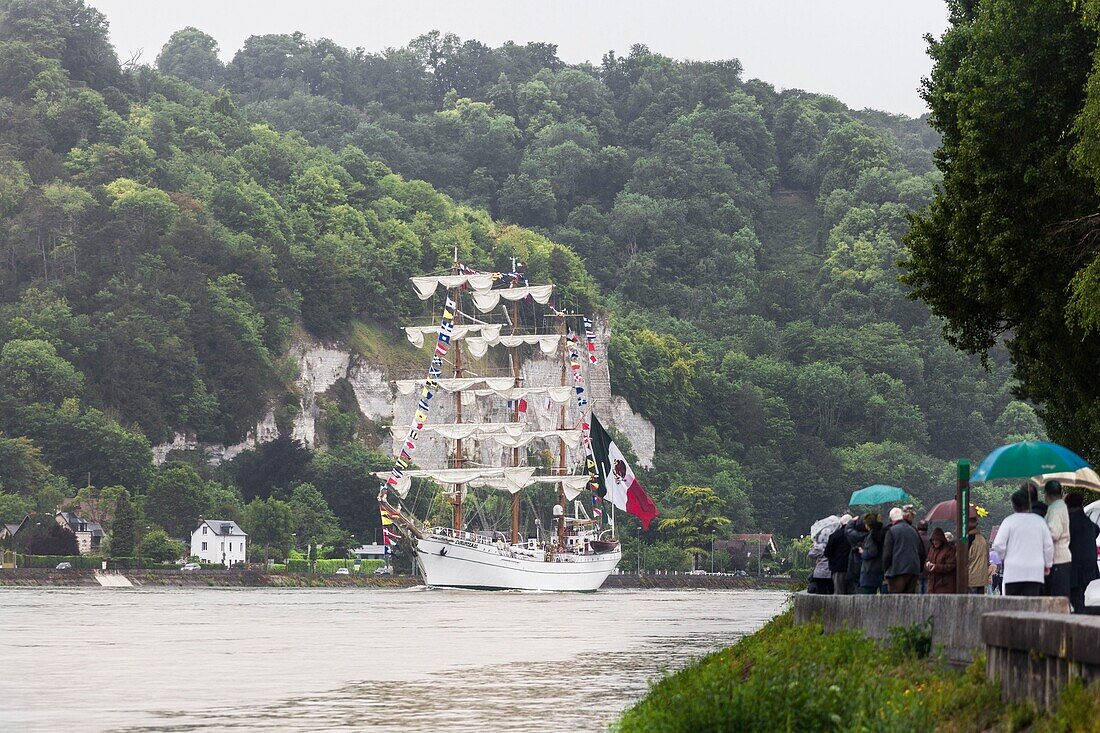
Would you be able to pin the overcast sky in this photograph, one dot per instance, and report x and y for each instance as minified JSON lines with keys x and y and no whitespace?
{"x":869,"y":53}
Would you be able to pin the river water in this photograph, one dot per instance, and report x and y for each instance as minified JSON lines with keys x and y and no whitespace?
{"x":205,"y":659}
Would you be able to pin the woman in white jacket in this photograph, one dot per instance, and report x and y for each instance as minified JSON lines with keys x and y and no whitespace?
{"x":1024,"y":542}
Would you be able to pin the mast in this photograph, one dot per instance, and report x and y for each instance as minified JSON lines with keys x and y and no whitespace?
{"x":561,"y":426}
{"x":456,"y":499}
{"x":515,"y":412}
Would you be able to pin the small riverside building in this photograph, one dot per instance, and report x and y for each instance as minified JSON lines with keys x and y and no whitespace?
{"x":219,"y":541}
{"x":89,"y":535}
{"x":370,"y":552}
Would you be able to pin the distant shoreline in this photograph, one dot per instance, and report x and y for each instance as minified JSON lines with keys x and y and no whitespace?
{"x":43,"y":577}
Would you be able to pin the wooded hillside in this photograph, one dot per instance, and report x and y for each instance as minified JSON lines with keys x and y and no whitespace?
{"x":166,"y":229}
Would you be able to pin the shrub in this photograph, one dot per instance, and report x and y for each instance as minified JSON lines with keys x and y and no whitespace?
{"x":826,"y":682}
{"x":79,"y":562}
{"x":331,"y":566}
{"x":125,"y":563}
{"x":912,"y":641}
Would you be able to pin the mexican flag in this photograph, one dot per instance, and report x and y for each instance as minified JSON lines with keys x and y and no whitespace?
{"x":622,"y":488}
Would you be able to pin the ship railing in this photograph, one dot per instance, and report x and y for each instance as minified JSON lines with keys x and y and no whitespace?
{"x":461,"y":534}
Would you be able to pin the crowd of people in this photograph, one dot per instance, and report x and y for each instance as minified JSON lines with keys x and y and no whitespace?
{"x":1043,"y":548}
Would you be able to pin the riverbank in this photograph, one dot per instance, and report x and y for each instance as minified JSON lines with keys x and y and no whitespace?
{"x":39,"y":577}
{"x":843,"y":681}
{"x":31,"y":577}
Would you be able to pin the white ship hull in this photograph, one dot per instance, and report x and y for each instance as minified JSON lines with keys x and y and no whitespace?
{"x":458,"y":563}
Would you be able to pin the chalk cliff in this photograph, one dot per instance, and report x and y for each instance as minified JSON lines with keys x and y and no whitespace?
{"x":321,"y":365}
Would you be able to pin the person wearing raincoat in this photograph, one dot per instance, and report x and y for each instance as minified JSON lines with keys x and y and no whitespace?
{"x":871,"y":571}
{"x":941,"y":564}
{"x":821,"y":579}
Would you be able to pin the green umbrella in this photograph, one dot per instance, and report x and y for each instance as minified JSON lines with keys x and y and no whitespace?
{"x":877,"y":494}
{"x":1026,"y":459}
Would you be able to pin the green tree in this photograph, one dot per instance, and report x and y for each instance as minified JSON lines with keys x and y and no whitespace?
{"x":270,"y":526}
{"x":191,"y":55}
{"x":177,"y":498}
{"x":13,"y":508}
{"x":21,"y":467}
{"x":343,"y":476}
{"x":700,"y":519}
{"x":995,"y":254}
{"x":157,"y":546}
{"x":276,"y":464}
{"x":314,"y":522}
{"x":98,"y":504}
{"x":44,"y":536}
{"x":32,"y":371}
{"x":124,"y":527}
{"x":668,"y":556}
{"x":147,"y":210}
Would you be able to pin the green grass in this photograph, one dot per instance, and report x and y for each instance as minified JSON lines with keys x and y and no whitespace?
{"x":388,"y":346}
{"x":797,"y":678}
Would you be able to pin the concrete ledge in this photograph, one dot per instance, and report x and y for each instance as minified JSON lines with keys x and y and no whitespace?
{"x":1035,"y":655}
{"x":956,"y":619}
{"x":1049,"y":634}
{"x":710,"y":582}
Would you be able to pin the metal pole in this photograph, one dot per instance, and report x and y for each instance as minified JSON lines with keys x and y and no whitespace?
{"x":712,"y":553}
{"x":962,"y":518}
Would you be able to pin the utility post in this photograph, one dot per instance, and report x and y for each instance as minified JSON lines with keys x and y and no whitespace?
{"x":962,"y":529}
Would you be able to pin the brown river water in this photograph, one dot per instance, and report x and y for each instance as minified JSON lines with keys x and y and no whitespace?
{"x":268,"y":659}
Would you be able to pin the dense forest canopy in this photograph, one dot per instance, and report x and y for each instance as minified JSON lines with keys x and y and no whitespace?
{"x":1008,"y":248}
{"x":167,"y":230}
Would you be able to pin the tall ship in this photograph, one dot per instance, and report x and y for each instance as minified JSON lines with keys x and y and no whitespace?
{"x":473,"y":400}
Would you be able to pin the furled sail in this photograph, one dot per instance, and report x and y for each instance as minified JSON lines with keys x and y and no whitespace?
{"x":458,"y":384}
{"x":558,"y":395}
{"x":488,"y":387}
{"x":519,"y":476}
{"x":489,"y":299}
{"x":464,"y":430}
{"x":572,"y":485}
{"x":426,"y":285}
{"x":478,"y":345}
{"x":509,"y":435}
{"x":572,"y":438}
{"x":488,"y":331}
{"x":507,"y":479}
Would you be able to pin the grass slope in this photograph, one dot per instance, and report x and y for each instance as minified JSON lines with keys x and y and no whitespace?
{"x":797,"y":678}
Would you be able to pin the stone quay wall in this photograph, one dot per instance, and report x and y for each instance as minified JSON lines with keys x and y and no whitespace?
{"x":956,"y":619}
{"x":30,"y":577}
{"x":1035,"y":655}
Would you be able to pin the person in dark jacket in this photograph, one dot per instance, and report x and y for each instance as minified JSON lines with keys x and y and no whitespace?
{"x":871,"y":570}
{"x":837,"y":550}
{"x":922,"y":531}
{"x":856,"y":534}
{"x":1082,"y":548}
{"x":941,"y":564}
{"x":902,"y":554}
{"x":1037,"y":506}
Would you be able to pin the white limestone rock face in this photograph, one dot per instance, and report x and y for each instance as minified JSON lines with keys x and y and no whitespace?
{"x":639,"y":431}
{"x":179,"y":441}
{"x":373,"y":392}
{"x":321,"y":365}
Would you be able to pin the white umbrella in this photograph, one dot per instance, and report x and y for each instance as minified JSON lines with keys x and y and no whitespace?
{"x":824,"y":526}
{"x":1084,"y":478}
{"x":1093,"y":511}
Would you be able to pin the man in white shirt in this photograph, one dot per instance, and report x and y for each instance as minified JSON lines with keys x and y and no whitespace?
{"x":1024,"y":542}
{"x":1058,"y":582}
